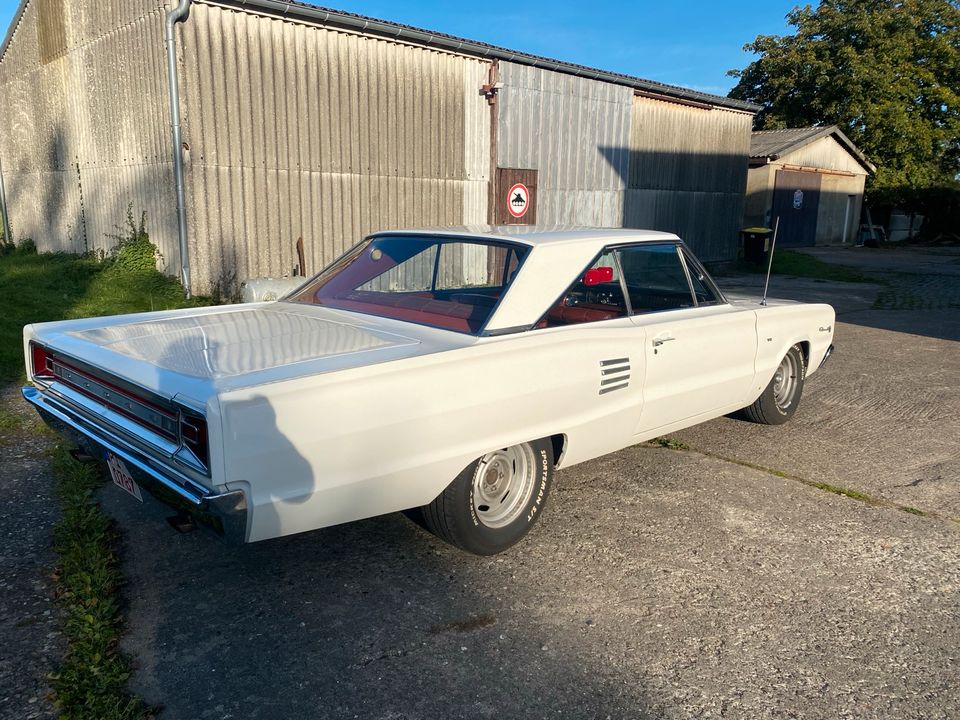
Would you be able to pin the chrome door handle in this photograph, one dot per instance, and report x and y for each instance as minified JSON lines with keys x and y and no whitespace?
{"x":657,"y":342}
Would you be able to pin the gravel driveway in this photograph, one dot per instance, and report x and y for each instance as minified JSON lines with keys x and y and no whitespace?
{"x":660,"y":583}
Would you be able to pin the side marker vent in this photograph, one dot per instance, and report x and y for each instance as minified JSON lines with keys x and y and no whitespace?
{"x":614,"y":374}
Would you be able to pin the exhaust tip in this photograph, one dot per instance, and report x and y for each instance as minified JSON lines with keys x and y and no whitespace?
{"x":81,"y":457}
{"x":182,"y":522}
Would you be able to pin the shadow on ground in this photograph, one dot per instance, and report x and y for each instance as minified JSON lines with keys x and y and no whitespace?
{"x":371,"y":619}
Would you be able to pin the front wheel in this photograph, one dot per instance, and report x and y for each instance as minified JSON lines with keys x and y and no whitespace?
{"x":495,"y":500}
{"x":781,"y":397}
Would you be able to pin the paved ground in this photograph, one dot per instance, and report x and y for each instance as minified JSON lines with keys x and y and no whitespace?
{"x":660,"y":583}
{"x":31,"y":642}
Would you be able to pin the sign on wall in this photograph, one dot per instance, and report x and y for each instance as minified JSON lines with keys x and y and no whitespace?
{"x":515,"y":197}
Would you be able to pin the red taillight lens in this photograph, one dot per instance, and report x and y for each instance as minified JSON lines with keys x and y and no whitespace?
{"x":41,"y":362}
{"x":193,"y":434}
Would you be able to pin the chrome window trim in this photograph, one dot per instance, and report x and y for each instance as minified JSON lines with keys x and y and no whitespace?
{"x":686,"y":274}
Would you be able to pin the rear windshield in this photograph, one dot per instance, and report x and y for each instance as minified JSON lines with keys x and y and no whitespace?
{"x":442,"y":282}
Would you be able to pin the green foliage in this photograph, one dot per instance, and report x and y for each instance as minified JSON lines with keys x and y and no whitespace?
{"x":670,"y":443}
{"x":939,"y":205}
{"x":9,"y":421}
{"x":24,"y":247}
{"x":788,"y":262}
{"x":133,"y":251}
{"x":887,"y":72}
{"x":92,"y":681}
{"x":46,"y":286}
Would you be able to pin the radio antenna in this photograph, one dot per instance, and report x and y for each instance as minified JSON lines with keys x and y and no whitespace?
{"x":773,"y":246}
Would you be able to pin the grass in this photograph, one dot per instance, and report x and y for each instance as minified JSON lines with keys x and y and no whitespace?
{"x":788,"y":262}
{"x":9,"y":421}
{"x":91,"y":682}
{"x":38,"y":288}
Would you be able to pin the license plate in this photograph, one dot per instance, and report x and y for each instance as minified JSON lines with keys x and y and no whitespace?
{"x":121,"y":476}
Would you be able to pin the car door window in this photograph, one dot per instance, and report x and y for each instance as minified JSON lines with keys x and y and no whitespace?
{"x":703,"y":287}
{"x":655,"y":278}
{"x":596,"y":295}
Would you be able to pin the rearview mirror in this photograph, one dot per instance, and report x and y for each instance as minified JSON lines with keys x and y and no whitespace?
{"x":597,"y":275}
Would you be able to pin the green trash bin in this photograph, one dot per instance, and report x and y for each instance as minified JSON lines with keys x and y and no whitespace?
{"x":756,"y":244}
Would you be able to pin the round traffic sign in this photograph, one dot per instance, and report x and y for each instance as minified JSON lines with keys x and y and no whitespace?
{"x":518,"y":200}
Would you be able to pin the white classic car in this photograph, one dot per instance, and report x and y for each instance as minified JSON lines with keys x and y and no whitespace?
{"x":445,"y":372}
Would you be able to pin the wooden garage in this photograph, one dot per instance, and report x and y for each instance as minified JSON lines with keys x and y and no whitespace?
{"x":812,"y":179}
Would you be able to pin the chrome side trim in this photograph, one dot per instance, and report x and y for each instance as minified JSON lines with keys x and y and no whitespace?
{"x":615,"y":370}
{"x":614,"y":380}
{"x":225,"y":513}
{"x":615,"y":361}
{"x":604,"y":391}
{"x":826,"y":356}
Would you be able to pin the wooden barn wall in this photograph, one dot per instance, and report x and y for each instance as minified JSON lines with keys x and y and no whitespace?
{"x":826,"y":154}
{"x":86,"y":125}
{"x":296,"y":131}
{"x":688,"y":173}
{"x":575,"y":132}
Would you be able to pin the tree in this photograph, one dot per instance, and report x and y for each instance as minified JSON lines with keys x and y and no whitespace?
{"x":887,"y":72}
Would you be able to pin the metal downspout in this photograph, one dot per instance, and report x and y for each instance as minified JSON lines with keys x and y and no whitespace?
{"x":7,"y":235}
{"x":178,"y":14}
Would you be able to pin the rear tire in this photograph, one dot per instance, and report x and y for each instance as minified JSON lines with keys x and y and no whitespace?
{"x":495,"y":501}
{"x":781,"y":397}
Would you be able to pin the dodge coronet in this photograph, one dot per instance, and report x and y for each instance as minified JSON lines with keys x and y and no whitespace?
{"x":444,"y":373}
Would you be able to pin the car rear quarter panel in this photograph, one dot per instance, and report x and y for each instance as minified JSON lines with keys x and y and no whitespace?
{"x":346,"y":445}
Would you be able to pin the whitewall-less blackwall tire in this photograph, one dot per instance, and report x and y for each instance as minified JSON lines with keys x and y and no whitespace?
{"x":781,"y":397}
{"x":495,"y":501}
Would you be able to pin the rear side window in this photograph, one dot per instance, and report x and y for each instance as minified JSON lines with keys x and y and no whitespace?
{"x":596,"y":295}
{"x":655,"y":278}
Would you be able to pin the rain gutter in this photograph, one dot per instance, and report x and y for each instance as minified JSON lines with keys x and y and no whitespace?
{"x":7,"y":235}
{"x":177,"y":15}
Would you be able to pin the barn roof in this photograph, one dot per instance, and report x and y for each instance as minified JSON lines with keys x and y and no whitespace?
{"x":337,"y":18}
{"x":769,"y":145}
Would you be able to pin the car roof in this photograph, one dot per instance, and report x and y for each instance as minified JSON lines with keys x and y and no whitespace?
{"x":558,"y":255}
{"x":534,"y":235}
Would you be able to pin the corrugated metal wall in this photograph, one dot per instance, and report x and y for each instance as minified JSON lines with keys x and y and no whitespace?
{"x":575,"y":132}
{"x":609,"y":158}
{"x":688,"y":174}
{"x":86,"y":124}
{"x":296,"y":131}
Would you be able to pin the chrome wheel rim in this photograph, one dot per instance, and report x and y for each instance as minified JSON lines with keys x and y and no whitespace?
{"x":503,"y":485}
{"x":785,"y":382}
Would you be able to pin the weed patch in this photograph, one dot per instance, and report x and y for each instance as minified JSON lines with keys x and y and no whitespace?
{"x":9,"y":421}
{"x":92,"y":681}
{"x":671,"y":443}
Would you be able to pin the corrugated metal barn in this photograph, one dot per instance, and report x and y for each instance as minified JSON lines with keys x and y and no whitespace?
{"x":302,"y":122}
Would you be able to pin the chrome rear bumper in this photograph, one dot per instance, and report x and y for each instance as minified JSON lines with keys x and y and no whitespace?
{"x":224,"y":513}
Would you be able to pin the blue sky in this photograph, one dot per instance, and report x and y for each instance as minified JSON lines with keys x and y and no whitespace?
{"x":690,"y":43}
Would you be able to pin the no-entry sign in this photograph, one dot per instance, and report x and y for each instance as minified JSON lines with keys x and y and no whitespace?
{"x":518,"y":200}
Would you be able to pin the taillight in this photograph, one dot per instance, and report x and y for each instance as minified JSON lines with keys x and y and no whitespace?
{"x":42,"y":369}
{"x":193,"y":435}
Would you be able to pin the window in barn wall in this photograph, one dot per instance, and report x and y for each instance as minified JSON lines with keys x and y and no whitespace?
{"x":51,"y":30}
